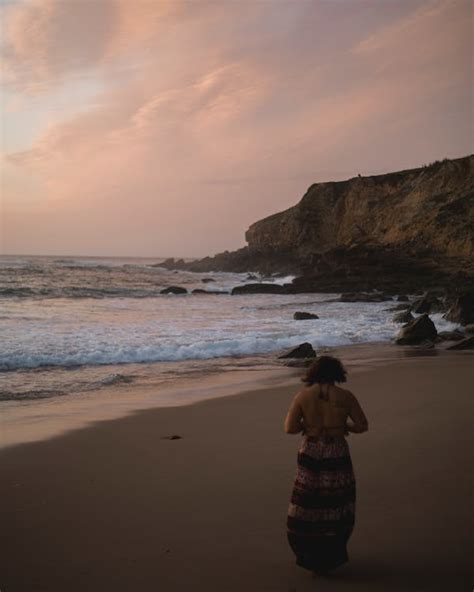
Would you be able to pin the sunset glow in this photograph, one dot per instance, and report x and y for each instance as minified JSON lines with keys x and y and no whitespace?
{"x":167,"y":128}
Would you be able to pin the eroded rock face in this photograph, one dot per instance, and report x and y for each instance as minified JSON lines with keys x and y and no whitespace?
{"x":396,"y":232}
{"x":429,"y":207}
{"x":417,"y":331}
{"x":305,"y":350}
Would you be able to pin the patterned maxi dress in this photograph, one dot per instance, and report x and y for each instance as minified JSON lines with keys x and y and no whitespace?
{"x":321,"y":513}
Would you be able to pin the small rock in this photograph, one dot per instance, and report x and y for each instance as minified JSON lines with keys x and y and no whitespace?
{"x":207,"y":280}
{"x":403,"y":317}
{"x":451,"y":336}
{"x":469,"y":328}
{"x":174,"y":290}
{"x":402,"y":298}
{"x":173,"y":437}
{"x":364,"y":297}
{"x":467,"y":343}
{"x":201,"y":291}
{"x":259,"y":289}
{"x":305,"y":350}
{"x":303,"y":316}
{"x":426,"y":304}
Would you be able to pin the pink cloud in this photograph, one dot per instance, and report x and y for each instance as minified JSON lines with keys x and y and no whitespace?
{"x":212,"y":118}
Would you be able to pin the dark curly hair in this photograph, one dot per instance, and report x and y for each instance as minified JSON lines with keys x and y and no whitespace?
{"x":325,"y":369}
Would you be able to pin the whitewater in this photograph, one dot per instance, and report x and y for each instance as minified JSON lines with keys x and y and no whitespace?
{"x":71,"y":324}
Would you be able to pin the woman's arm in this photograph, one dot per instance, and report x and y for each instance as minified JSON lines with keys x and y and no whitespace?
{"x":359,"y":422}
{"x":294,"y":422}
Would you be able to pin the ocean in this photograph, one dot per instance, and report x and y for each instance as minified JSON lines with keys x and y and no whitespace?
{"x":70,"y":325}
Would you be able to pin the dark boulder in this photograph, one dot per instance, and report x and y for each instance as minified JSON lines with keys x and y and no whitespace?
{"x":469,"y":328}
{"x":303,"y":316}
{"x":403,"y":317}
{"x":174,"y":290}
{"x":364,"y":297}
{"x":462,"y":309}
{"x":402,"y":298}
{"x":259,"y":289}
{"x":305,"y":350}
{"x":207,"y":280}
{"x":467,"y":343}
{"x":421,"y":329}
{"x":201,"y":291}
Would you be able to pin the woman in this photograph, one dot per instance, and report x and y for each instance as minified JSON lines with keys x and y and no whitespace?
{"x":322,"y":509}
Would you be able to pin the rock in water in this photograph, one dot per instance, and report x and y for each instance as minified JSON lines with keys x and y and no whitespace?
{"x":403,"y":317}
{"x":462,"y":309}
{"x":426,"y":304}
{"x":174,"y":290}
{"x":259,"y":289}
{"x":303,"y":316}
{"x":364,"y":297}
{"x":305,"y":350}
{"x":207,"y":280}
{"x":467,"y":343}
{"x":417,"y":331}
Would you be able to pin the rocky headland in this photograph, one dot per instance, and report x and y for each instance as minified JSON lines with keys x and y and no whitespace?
{"x":400,"y":232}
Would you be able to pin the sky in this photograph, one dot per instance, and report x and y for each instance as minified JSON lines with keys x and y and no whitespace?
{"x":166,"y":127}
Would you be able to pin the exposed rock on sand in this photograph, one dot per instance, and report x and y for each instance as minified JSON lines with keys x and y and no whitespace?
{"x":305,"y":350}
{"x":303,"y":316}
{"x":467,"y":343}
{"x":419,"y":330}
{"x":451,"y":336}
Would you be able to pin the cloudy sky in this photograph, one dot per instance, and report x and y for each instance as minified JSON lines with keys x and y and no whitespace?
{"x":166,"y":127}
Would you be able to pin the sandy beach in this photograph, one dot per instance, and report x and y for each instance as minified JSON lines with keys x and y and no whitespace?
{"x":117,"y":506}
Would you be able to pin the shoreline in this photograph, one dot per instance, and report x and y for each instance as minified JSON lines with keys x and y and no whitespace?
{"x":33,"y":420}
{"x":116,"y":506}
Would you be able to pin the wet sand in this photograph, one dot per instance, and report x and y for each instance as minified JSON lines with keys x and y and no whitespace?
{"x":115,"y":506}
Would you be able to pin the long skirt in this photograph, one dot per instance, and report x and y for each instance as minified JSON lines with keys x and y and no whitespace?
{"x":321,"y":513}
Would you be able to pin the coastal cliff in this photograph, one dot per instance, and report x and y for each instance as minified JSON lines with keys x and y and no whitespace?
{"x":414,"y":226}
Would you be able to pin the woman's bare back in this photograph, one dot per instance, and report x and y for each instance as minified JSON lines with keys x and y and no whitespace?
{"x":326,"y":409}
